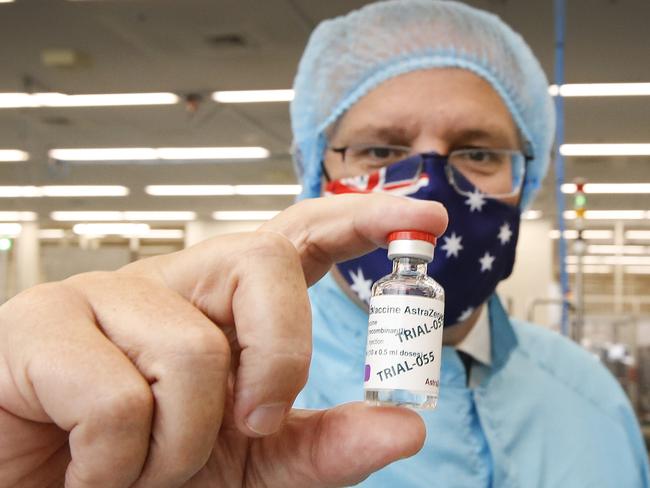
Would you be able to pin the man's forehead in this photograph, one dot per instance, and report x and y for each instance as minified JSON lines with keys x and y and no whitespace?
{"x":452,"y":102}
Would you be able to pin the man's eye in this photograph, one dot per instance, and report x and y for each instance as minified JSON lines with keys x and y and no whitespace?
{"x":479,"y":156}
{"x":380,"y":152}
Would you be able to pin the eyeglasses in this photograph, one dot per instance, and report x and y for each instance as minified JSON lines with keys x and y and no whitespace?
{"x":497,"y":173}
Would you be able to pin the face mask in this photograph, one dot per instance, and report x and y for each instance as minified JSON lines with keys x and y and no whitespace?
{"x":473,"y":255}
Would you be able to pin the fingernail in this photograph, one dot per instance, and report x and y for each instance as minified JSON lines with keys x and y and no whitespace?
{"x":266,"y":419}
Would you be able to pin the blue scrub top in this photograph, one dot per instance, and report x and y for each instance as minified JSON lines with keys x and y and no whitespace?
{"x":546,"y":413}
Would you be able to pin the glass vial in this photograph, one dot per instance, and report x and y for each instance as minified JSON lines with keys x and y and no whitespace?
{"x":405,"y":325}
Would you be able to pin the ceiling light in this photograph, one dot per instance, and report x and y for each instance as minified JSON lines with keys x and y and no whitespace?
{"x":591,"y":234}
{"x":6,"y":1}
{"x":637,"y":269}
{"x":163,"y":234}
{"x":600,"y":89}
{"x":608,"y":188}
{"x":189,"y":190}
{"x":216,"y":190}
{"x":166,"y":153}
{"x":613,"y":249}
{"x":612,"y":260}
{"x":116,"y":216}
{"x":85,"y":191}
{"x":589,"y":269}
{"x":20,"y":191}
{"x":17,"y":216}
{"x":605,"y":149}
{"x":531,"y":215}
{"x":245,"y":215}
{"x":610,"y":214}
{"x":212,"y":152}
{"x":63,"y":191}
{"x":13,"y":155}
{"x":107,"y":154}
{"x":51,"y":234}
{"x":110,"y":229}
{"x":37,"y":100}
{"x":162,"y":216}
{"x":268,"y":189}
{"x":250,"y":96}
{"x":10,"y":230}
{"x":639,"y":235}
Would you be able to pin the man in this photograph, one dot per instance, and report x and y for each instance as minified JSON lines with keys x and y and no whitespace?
{"x":439,"y":101}
{"x":181,"y":370}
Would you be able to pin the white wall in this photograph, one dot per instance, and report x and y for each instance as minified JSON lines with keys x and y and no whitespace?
{"x":532,"y":277}
{"x":60,"y":262}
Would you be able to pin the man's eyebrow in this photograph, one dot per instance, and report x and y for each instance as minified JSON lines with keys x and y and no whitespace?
{"x":494,"y":134}
{"x":380,"y":133}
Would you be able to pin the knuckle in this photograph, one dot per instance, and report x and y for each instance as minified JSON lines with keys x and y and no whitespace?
{"x":128,"y":405}
{"x":41,"y":303}
{"x":91,"y":277}
{"x":203,"y":342}
{"x":275,"y":244}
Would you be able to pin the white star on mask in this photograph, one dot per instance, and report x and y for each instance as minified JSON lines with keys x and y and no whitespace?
{"x":475,"y":200}
{"x":452,"y":245}
{"x":505,"y":233}
{"x":360,"y":285}
{"x":486,"y":262}
{"x":466,"y":313}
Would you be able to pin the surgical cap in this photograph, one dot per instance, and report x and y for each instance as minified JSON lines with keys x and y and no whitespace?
{"x":348,"y":56}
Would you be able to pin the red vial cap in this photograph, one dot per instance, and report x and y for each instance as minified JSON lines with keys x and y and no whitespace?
{"x":412,"y":235}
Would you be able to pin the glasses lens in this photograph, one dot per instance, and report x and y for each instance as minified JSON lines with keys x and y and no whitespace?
{"x":493,"y":172}
{"x":366,"y":158}
{"x":399,"y":178}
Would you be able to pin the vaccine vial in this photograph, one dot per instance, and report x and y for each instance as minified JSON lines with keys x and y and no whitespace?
{"x":405,"y":325}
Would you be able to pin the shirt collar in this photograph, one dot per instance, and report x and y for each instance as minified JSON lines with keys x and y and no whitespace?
{"x":478,"y":343}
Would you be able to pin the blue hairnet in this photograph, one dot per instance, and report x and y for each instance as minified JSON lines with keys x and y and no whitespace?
{"x":348,"y":56}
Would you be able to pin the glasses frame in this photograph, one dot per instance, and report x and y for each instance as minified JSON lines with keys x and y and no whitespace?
{"x":526,"y":155}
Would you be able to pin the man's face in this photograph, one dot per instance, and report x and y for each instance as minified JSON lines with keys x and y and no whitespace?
{"x":435,"y":110}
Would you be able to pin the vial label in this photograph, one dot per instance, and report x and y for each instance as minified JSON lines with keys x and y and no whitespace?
{"x":404,"y":343}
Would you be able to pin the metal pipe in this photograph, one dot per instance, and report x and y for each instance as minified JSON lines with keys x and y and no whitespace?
{"x":560,"y":17}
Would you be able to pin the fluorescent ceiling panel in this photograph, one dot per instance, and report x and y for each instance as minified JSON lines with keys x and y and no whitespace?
{"x":118,"y":216}
{"x":110,"y":229}
{"x":642,"y":149}
{"x":44,"y":100}
{"x":63,"y":191}
{"x":245,"y":214}
{"x":612,"y":260}
{"x":13,"y":155}
{"x":165,"y":153}
{"x":589,"y":234}
{"x":625,"y":188}
{"x":638,"y":234}
{"x":600,"y":89}
{"x":11,"y":216}
{"x":613,"y":249}
{"x":531,"y":215}
{"x":610,"y":214}
{"x":10,"y":229}
{"x":253,"y":96}
{"x":220,"y":190}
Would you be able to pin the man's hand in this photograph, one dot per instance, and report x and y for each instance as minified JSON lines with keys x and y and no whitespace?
{"x":180,"y":370}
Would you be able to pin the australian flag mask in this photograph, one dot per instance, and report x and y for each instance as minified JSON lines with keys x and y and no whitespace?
{"x":472,"y":256}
